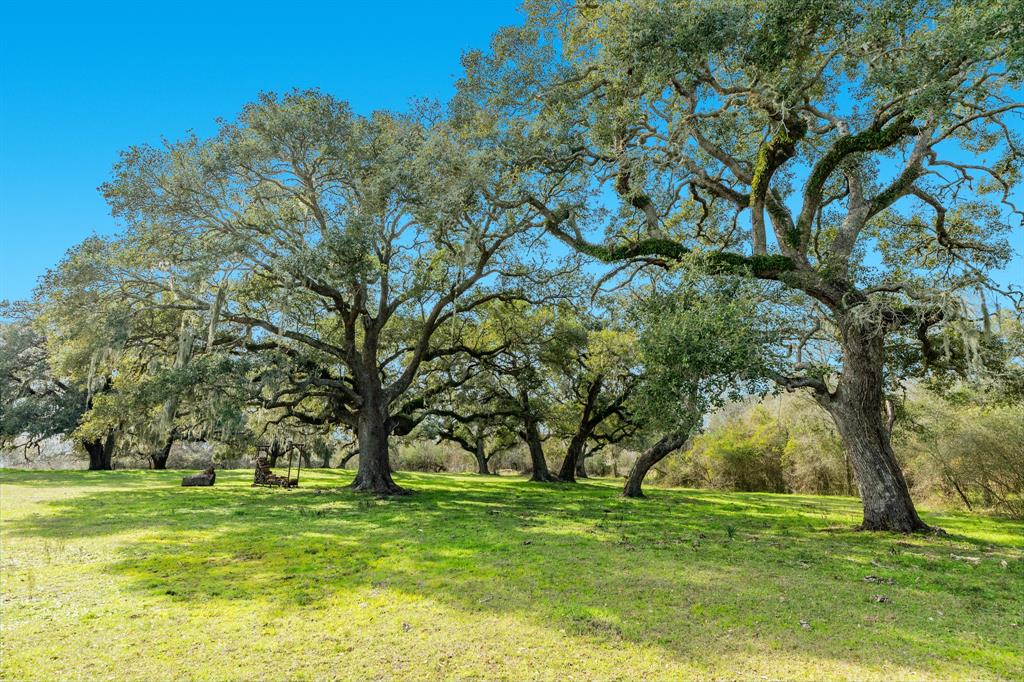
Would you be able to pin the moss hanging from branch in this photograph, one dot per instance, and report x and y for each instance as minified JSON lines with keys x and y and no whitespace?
{"x":215,"y":308}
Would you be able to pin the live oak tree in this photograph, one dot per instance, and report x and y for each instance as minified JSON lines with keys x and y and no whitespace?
{"x":331,"y":246}
{"x":468,"y":416}
{"x":548,"y":371}
{"x":484,"y":435}
{"x":595,"y":368}
{"x":702,"y":342}
{"x":72,"y":346}
{"x":516,"y":382}
{"x":148,"y":382}
{"x":862,"y":154}
{"x":36,"y":404}
{"x":136,"y":364}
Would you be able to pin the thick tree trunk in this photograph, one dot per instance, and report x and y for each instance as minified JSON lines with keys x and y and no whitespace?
{"x":159,"y":458}
{"x":581,"y":466}
{"x":856,"y":407}
{"x":100,"y":453}
{"x":274,"y":454}
{"x":574,"y":454}
{"x":648,"y":459}
{"x":540,"y":465}
{"x":374,"y":472}
{"x":573,"y":457}
{"x":480,"y":453}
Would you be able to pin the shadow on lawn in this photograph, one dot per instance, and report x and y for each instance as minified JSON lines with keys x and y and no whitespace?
{"x":582,"y":559}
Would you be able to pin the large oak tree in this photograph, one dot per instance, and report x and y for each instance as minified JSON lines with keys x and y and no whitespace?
{"x":338,"y":249}
{"x":862,"y":154}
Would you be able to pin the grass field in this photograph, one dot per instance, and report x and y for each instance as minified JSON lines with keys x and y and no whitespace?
{"x":127,"y":576}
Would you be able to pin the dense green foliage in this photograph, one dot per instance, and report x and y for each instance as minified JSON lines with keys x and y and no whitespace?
{"x":965,"y":449}
{"x":959,"y":450}
{"x":34,"y":403}
{"x":861,"y":156}
{"x":777,"y":192}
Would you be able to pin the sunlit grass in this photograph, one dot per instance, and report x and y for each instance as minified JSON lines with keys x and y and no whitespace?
{"x":126,"y":575}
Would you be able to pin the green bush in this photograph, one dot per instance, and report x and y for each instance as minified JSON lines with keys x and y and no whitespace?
{"x":955,"y":449}
{"x":780,"y":444}
{"x":965,"y":451}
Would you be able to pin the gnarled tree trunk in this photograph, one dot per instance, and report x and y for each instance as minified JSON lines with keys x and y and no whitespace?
{"x":275,"y":453}
{"x":100,"y":453}
{"x":159,"y":458}
{"x":573,"y":458}
{"x":537,"y":461}
{"x":480,"y":453}
{"x":856,"y":407}
{"x":649,"y":458}
{"x":374,"y":472}
{"x":581,"y":465}
{"x":588,"y":421}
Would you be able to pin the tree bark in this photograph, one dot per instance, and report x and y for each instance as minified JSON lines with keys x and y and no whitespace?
{"x":573,"y":458}
{"x":100,"y":453}
{"x":581,"y":465}
{"x":480,"y":453}
{"x":274,"y":454}
{"x":588,"y":421}
{"x":159,"y":458}
{"x":539,"y":464}
{"x":374,"y":472}
{"x":654,"y":454}
{"x":857,"y":407}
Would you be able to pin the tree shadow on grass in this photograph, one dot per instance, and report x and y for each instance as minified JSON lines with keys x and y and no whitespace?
{"x":577,"y":558}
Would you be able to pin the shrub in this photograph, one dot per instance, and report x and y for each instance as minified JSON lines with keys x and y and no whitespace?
{"x":966,"y":451}
{"x":780,"y":444}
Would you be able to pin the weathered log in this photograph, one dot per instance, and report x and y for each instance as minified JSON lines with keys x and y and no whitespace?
{"x":207,"y":478}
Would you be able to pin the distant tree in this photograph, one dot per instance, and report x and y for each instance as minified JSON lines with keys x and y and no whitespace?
{"x":35,"y":404}
{"x":596,"y":372}
{"x":63,"y":354}
{"x":703,"y":342}
{"x":482,"y":435}
{"x":154,"y":373}
{"x":517,"y":382}
{"x":863,"y":155}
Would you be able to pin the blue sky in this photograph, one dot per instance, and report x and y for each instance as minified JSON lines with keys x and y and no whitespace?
{"x":79,"y":83}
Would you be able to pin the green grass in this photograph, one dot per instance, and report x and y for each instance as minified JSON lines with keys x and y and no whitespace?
{"x":127,"y":576}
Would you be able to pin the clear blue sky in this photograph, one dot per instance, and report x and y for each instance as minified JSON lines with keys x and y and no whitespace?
{"x":80,"y":82}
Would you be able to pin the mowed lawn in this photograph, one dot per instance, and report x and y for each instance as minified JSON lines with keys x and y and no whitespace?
{"x":127,"y":576}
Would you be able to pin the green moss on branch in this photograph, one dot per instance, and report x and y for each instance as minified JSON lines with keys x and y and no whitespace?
{"x":765,"y":266}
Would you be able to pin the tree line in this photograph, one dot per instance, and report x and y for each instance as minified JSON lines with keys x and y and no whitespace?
{"x":628,"y":215}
